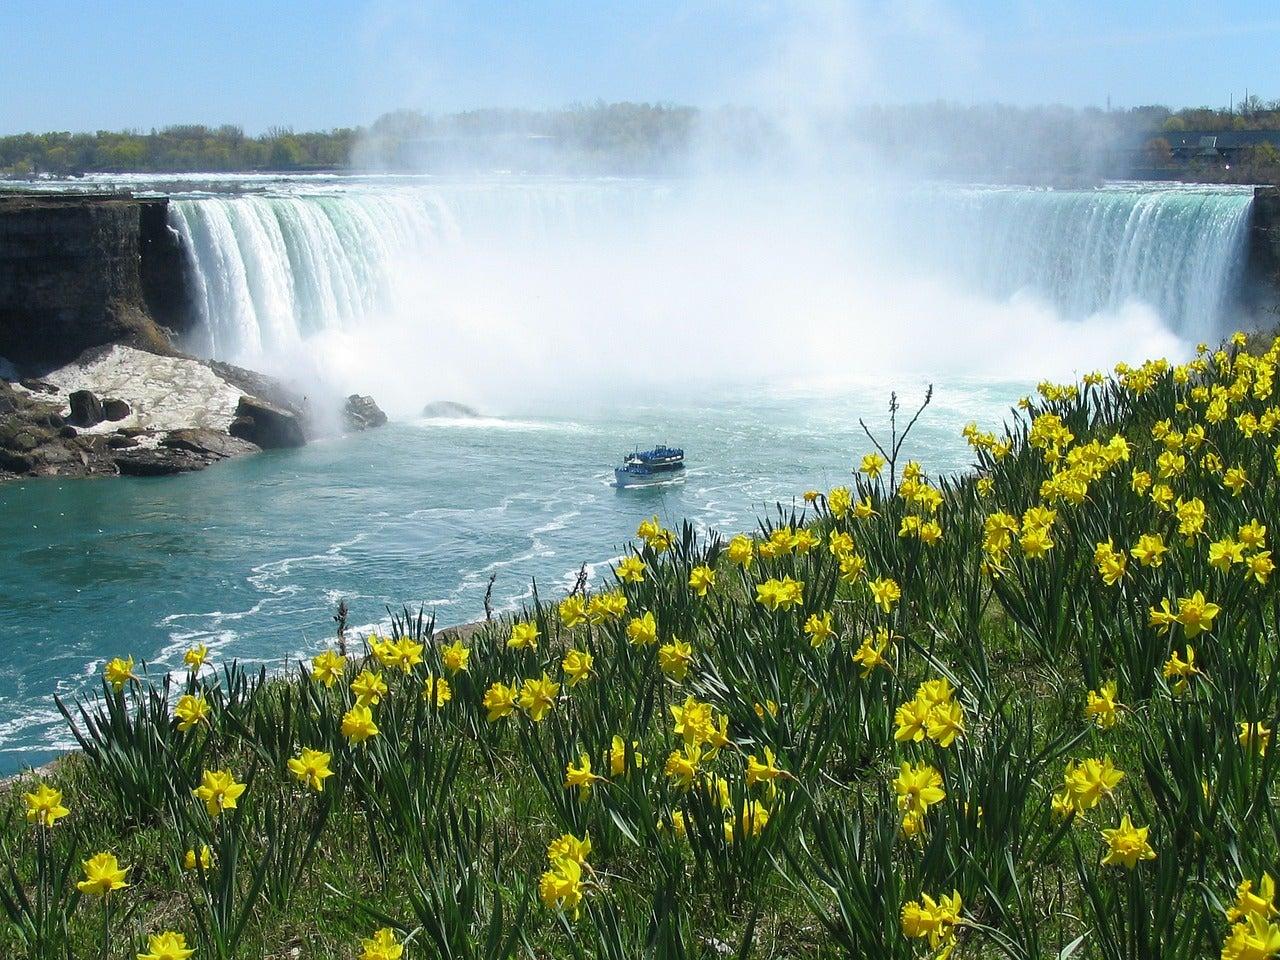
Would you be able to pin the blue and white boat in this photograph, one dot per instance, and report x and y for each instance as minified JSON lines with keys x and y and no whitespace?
{"x":659,"y":465}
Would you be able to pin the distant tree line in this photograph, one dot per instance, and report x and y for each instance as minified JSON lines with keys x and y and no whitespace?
{"x":994,"y":142}
{"x":178,"y":149}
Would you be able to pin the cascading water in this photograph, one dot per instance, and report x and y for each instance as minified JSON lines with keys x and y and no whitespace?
{"x":271,"y":270}
{"x":1181,"y":251}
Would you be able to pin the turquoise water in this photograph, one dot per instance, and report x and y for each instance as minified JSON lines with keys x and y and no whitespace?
{"x":251,"y":557}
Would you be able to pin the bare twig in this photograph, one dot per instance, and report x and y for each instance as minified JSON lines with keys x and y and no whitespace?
{"x":581,"y":585}
{"x":488,"y":598}
{"x":895,"y":441}
{"x":341,"y":621}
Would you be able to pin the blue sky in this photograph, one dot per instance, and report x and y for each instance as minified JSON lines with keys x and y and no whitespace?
{"x":90,"y":64}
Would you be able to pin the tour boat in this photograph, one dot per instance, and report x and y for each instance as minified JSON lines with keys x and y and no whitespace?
{"x":643,"y":467}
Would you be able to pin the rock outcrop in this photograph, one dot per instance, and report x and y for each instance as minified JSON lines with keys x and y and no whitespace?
{"x":1263,"y":287}
{"x":267,"y":425}
{"x":361,"y":413}
{"x":78,"y":271}
{"x":448,"y":409}
{"x":86,"y":409}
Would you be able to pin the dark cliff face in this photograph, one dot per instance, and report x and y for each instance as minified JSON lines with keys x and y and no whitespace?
{"x":1264,"y":245}
{"x":78,"y":271}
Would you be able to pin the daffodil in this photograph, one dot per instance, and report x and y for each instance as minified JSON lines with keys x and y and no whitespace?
{"x":567,"y":846}
{"x":328,"y":666}
{"x":765,"y":771}
{"x":1180,"y":671}
{"x":872,"y":464}
{"x":436,"y":691}
{"x":871,"y":652}
{"x":102,"y":875}
{"x":1149,"y":550}
{"x":618,"y":755}
{"x":1102,"y":707}
{"x":643,"y":630}
{"x":195,"y":657}
{"x":918,"y":787}
{"x":44,"y":806}
{"x":573,"y":611}
{"x":382,"y":946}
{"x":166,"y":946}
{"x":674,"y":659}
{"x":537,"y":697}
{"x":190,"y":710}
{"x":1196,"y":614}
{"x":499,"y":700}
{"x":1256,"y":736}
{"x":311,"y":767}
{"x":1259,"y":903}
{"x":358,"y":725}
{"x":119,"y":672}
{"x":560,"y":887}
{"x":581,"y":776}
{"x":205,"y":859}
{"x":1088,"y":782}
{"x":577,"y":666}
{"x":454,"y":656}
{"x":819,"y":629}
{"x":1126,"y":845}
{"x":219,"y":790}
{"x":780,"y":594}
{"x":405,"y":653}
{"x":630,"y":570}
{"x":524,"y":636}
{"x":701,"y":579}
{"x":741,"y":551}
{"x":1254,"y":938}
{"x":885,"y":592}
{"x":934,"y":920}
{"x":682,"y":766}
{"x":369,"y":688}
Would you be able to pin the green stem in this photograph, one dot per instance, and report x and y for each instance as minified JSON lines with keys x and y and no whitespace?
{"x":106,"y":922}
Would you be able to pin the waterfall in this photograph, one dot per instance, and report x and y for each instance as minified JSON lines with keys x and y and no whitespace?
{"x":1179,"y":250}
{"x":271,"y":270}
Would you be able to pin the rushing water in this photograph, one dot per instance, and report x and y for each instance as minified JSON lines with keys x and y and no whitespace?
{"x":273,"y":269}
{"x":752,"y":325}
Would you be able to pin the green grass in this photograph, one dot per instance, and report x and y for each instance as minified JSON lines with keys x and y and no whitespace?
{"x":438,"y":827}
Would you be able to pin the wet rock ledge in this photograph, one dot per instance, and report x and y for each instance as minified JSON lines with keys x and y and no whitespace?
{"x":117,"y":410}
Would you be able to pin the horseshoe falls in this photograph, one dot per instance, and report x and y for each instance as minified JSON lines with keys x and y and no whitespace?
{"x":272,"y":270}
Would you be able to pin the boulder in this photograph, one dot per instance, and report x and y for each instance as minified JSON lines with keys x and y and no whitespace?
{"x":16,"y":462}
{"x":212,"y":444}
{"x":361,"y":413}
{"x":157,"y":462}
{"x":267,"y":425}
{"x":117,"y":442}
{"x":86,"y":409}
{"x":68,"y":432}
{"x":448,"y":409}
{"x":36,"y":385}
{"x":115,"y":410}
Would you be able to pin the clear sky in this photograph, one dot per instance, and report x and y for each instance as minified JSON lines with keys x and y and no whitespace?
{"x":113,"y":64}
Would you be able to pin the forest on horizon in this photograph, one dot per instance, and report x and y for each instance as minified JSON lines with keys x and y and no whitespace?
{"x":938,"y":139}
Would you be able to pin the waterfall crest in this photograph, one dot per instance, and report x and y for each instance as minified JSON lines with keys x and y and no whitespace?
{"x":269,"y":271}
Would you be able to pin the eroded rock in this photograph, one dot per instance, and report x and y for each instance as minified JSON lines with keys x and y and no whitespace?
{"x":362,"y":413}
{"x":267,"y":425}
{"x":86,"y":409}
